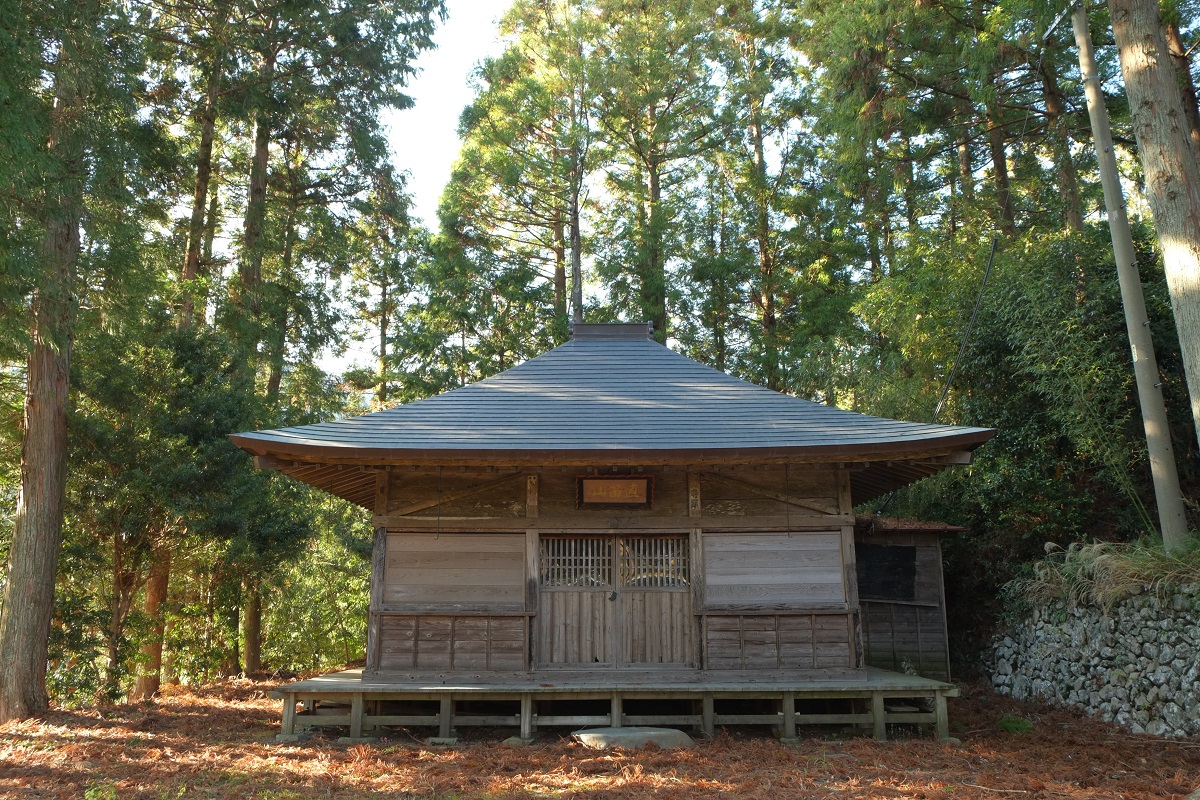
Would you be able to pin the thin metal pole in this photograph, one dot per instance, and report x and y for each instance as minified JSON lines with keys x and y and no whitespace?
{"x":1171,"y":516}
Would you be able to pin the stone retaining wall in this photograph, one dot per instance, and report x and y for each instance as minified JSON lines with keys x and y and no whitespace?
{"x":1138,"y":665}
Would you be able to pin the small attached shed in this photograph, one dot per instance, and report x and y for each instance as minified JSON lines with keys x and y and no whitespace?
{"x":613,"y":522}
{"x":901,"y":594}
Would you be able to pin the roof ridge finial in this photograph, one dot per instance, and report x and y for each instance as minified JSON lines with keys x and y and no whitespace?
{"x":640,"y":331}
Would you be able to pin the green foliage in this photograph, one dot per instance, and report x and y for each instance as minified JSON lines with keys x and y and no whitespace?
{"x":316,"y":617}
{"x":1011,"y":723}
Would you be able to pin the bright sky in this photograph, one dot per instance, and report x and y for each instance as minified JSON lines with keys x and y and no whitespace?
{"x":424,"y":138}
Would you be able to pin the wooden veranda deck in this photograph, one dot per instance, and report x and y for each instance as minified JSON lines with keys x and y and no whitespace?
{"x":528,"y":701}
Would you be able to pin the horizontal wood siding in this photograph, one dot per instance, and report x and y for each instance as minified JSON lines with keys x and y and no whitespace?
{"x":558,"y":495}
{"x":778,"y":641}
{"x":457,"y":495}
{"x":455,"y":569}
{"x":773,"y":569}
{"x":574,"y":627}
{"x":729,"y":492}
{"x":453,"y":643}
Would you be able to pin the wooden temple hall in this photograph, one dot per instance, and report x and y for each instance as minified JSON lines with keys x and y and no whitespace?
{"x":614,"y":534}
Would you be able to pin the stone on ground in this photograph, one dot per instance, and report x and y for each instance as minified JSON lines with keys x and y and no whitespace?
{"x":632,"y":738}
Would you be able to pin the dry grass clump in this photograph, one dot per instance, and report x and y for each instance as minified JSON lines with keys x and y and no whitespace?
{"x":1102,"y":574}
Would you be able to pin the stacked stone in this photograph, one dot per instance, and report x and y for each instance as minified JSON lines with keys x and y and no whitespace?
{"x":1138,"y":665}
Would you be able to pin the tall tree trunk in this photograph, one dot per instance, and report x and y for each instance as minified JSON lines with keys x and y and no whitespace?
{"x":654,"y":282}
{"x":150,"y":677}
{"x":124,"y":586}
{"x":559,"y":244}
{"x":1171,"y":165}
{"x":966,"y":172}
{"x":253,"y":244}
{"x":996,"y":147}
{"x":1183,"y":74}
{"x":204,"y":159}
{"x":766,"y":252}
{"x":576,"y":254}
{"x":907,"y":174}
{"x":277,"y":335}
{"x":1068,"y":179}
{"x":37,"y":534}
{"x":252,"y":626}
{"x":206,"y":251}
{"x":381,"y":392}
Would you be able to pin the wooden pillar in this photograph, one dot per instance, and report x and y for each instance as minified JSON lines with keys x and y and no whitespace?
{"x":941,"y":717}
{"x":289,"y":714}
{"x":378,"y":573}
{"x":526,"y":716}
{"x":708,"y":715}
{"x":789,"y":715}
{"x":615,"y":715}
{"x":356,"y":715}
{"x":531,"y":571}
{"x":878,"y":717}
{"x":445,"y":714}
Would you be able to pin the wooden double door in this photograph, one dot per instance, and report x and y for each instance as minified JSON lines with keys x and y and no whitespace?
{"x":615,"y":601}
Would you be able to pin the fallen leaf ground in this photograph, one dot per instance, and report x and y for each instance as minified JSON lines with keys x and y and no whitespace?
{"x":217,"y":742}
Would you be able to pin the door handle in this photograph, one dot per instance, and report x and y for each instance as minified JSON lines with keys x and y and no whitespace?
{"x":612,"y":595}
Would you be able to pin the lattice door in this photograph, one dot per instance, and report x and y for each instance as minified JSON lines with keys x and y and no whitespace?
{"x":610,"y":601}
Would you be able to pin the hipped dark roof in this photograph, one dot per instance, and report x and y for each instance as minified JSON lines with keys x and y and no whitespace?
{"x":612,"y":394}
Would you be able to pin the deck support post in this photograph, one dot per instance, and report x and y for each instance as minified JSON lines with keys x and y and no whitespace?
{"x":356,"y":715}
{"x":615,"y":715}
{"x":941,"y":717}
{"x":526,"y":716}
{"x":376,"y":710}
{"x":878,"y":717}
{"x":445,"y":712}
{"x":789,"y":715}
{"x":708,"y":716}
{"x":289,"y":714}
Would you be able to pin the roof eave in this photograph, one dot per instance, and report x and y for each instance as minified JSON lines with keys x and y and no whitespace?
{"x":384,"y":456}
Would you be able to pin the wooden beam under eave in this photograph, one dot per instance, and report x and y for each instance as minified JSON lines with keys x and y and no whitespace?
{"x":581,"y":522}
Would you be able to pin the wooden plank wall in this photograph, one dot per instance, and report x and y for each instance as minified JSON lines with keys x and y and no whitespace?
{"x":438,"y":587}
{"x":573,"y":627}
{"x":779,"y":641}
{"x":455,"y":569}
{"x":447,"y":642}
{"x":781,"y":569}
{"x":656,"y":627}
{"x":909,"y":635}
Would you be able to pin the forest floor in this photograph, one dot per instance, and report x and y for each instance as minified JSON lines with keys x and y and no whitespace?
{"x":218,"y":742}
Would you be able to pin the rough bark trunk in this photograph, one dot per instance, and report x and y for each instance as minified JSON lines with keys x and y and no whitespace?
{"x":253,"y":245}
{"x":654,"y":282}
{"x":573,"y":211}
{"x":996,"y":148}
{"x":124,"y":586}
{"x":1171,"y":165}
{"x":558,"y":237}
{"x":252,"y":627}
{"x":766,"y":253}
{"x":381,"y":393}
{"x":37,"y":534}
{"x":966,"y":172}
{"x":1183,"y":74}
{"x":1068,"y":179}
{"x":277,"y":335}
{"x":204,"y":157}
{"x":150,"y":678}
